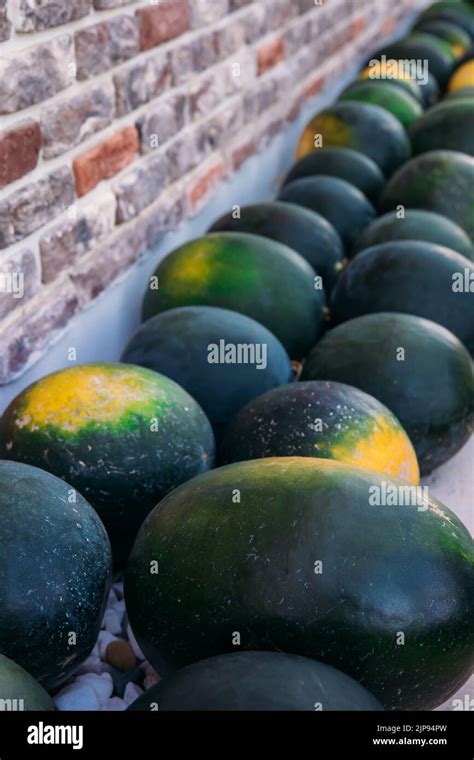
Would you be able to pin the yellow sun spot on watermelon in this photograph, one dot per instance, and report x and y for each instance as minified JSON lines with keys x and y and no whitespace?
{"x":333,"y":131}
{"x":76,"y":397}
{"x":386,"y":449}
{"x":463,"y":77}
{"x":193,"y":269}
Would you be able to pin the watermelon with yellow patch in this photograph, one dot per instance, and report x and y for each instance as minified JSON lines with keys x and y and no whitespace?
{"x":463,"y":77}
{"x":365,"y":127}
{"x":252,"y":275}
{"x":325,"y":420}
{"x":123,"y":436}
{"x":313,"y":557}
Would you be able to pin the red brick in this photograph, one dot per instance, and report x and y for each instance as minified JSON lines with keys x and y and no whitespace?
{"x":315,"y":86}
{"x":357,"y":27}
{"x":270,"y":54}
{"x":295,"y":109}
{"x":388,"y":27}
{"x":19,"y":149}
{"x":105,"y":160}
{"x":203,"y":183}
{"x":163,"y":22}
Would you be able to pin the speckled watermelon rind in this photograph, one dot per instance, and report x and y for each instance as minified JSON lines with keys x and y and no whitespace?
{"x":249,"y":566}
{"x":55,"y":568}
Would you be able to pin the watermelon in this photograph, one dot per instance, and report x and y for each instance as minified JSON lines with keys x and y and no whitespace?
{"x":458,"y":39}
{"x":380,"y":71}
{"x":430,"y":50}
{"x":416,"y":225}
{"x":412,"y":277}
{"x":448,"y":126}
{"x":55,"y":567}
{"x":344,"y":163}
{"x":400,"y":103}
{"x":363,"y":126}
{"x":465,"y":92}
{"x":123,"y":436}
{"x":221,"y":358}
{"x":19,"y":691}
{"x":439,"y":43}
{"x":306,"y":232}
{"x":456,"y":13}
{"x":430,"y":90}
{"x":321,"y":419}
{"x":311,"y":557}
{"x":256,"y":681}
{"x":261,"y":278}
{"x":342,"y":204}
{"x":463,"y":77}
{"x":417,"y":368}
{"x":441,"y":181}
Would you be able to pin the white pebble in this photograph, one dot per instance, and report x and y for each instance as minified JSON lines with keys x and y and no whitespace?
{"x":114,"y":705}
{"x":112,"y":598}
{"x":102,"y":685}
{"x":77,"y":697}
{"x":104,"y":640}
{"x":131,"y":693}
{"x":111,"y":622}
{"x":93,"y":664}
{"x":133,"y":643}
{"x":119,"y":609}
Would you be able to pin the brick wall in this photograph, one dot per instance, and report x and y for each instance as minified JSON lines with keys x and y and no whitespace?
{"x":119,"y":118}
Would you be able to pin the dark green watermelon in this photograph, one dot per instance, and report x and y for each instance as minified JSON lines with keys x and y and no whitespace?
{"x":55,"y":566}
{"x":301,"y":229}
{"x":441,"y":181}
{"x":411,"y":277}
{"x":221,"y":358}
{"x":455,"y":35}
{"x":362,"y":126}
{"x":345,"y":163}
{"x":123,"y":436}
{"x":457,"y":13}
{"x":417,"y":368}
{"x":378,"y":72}
{"x":324,"y":420}
{"x":261,"y":278}
{"x":257,"y":681}
{"x":448,"y":126}
{"x":342,"y":204}
{"x":430,"y":91}
{"x":416,"y":224}
{"x":404,"y":106}
{"x":309,"y":557}
{"x":425,"y":48}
